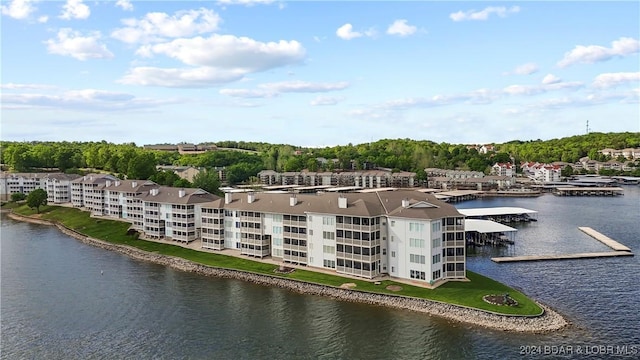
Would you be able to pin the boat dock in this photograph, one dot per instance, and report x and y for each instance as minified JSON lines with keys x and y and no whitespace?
{"x":603,"y":239}
{"x":619,"y":250}
{"x":588,"y":191}
{"x":500,"y":214}
{"x":561,"y":257}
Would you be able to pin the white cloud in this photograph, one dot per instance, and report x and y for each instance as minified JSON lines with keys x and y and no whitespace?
{"x":13,"y":86}
{"x":75,"y":9}
{"x":125,"y":5}
{"x":180,"y":78}
{"x":274,"y":89}
{"x":484,"y":14}
{"x":595,"y":53}
{"x":346,"y":32}
{"x":325,"y":100}
{"x":247,"y":93}
{"x":43,"y":19}
{"x":608,"y":80}
{"x":19,"y":9}
{"x":231,"y":52}
{"x":401,"y":28}
{"x":72,"y":43}
{"x":540,"y":89}
{"x":550,"y":79}
{"x":158,"y":26}
{"x":303,"y":86}
{"x":85,"y":99}
{"x":526,"y":69}
{"x":217,"y":59}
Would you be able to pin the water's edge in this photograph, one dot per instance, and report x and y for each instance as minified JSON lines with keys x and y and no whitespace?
{"x":548,"y":321}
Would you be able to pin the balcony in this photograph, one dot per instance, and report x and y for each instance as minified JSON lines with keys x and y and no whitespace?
{"x":454,"y":259}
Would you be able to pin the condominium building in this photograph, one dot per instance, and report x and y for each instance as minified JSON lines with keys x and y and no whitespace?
{"x":173,"y":213}
{"x":12,"y":183}
{"x":58,"y":187}
{"x":405,"y":234}
{"x":87,"y":192}
{"x":120,"y":199}
{"x":366,"y":179}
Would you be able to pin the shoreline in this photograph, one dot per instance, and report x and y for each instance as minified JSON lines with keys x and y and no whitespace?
{"x":548,"y":321}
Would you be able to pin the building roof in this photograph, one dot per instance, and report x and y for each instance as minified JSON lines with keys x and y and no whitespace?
{"x":135,"y":186}
{"x":95,"y":179}
{"x":420,"y":205}
{"x":496,"y":211}
{"x":63,"y":177}
{"x":171,"y":195}
{"x":486,"y":226}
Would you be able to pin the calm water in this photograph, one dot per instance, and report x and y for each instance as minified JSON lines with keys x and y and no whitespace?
{"x":61,"y":299}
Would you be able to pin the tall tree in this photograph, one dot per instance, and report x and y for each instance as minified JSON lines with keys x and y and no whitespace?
{"x":208,"y":180}
{"x":37,"y":198}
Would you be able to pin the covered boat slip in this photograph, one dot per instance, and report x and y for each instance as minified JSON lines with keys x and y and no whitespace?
{"x":501,"y":214}
{"x":487,"y":232}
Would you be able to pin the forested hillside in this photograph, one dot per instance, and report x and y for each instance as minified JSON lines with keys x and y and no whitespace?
{"x":398,"y":154}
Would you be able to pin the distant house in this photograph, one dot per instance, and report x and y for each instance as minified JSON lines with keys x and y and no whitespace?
{"x":503,"y":169}
{"x":487,"y":148}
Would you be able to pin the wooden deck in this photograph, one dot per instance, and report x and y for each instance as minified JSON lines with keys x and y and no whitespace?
{"x":603,"y":239}
{"x":561,"y":256}
{"x":620,"y":250}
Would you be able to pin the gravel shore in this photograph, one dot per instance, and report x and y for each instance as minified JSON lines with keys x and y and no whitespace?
{"x":547,"y":322}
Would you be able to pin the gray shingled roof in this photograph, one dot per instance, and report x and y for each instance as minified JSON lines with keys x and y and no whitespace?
{"x":421,"y":206}
{"x":170,"y":195}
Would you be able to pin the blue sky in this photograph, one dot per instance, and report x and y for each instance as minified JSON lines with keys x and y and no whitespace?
{"x":317,"y":73}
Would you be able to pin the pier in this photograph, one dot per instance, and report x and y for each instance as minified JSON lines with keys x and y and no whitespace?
{"x":561,"y":257}
{"x":500,"y":214}
{"x":603,"y":239}
{"x":588,"y":191}
{"x":619,"y":250}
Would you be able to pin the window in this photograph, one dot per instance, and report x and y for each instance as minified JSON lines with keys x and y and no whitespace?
{"x":328,"y":235}
{"x":437,"y":242}
{"x":327,"y":249}
{"x":417,"y":243}
{"x":436,"y":275}
{"x":384,"y":251}
{"x":417,"y":259}
{"x":436,"y":258}
{"x":393,"y":254}
{"x":393,"y":223}
{"x":328,"y":220}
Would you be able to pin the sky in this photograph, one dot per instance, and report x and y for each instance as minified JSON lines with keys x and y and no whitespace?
{"x":317,"y":73}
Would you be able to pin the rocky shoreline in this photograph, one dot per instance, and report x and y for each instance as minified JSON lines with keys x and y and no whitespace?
{"x":548,"y":321}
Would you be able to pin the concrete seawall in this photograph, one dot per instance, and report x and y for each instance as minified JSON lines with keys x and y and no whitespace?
{"x":548,"y":321}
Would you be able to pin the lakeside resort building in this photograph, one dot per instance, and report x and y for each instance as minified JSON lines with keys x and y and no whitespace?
{"x":403,"y":234}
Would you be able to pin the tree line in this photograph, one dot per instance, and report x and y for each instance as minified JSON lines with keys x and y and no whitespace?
{"x":131,"y":161}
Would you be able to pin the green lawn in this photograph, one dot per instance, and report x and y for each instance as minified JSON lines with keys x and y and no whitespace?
{"x":462,"y":293}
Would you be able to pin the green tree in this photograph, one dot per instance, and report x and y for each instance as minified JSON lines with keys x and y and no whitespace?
{"x":37,"y":198}
{"x":18,"y":197}
{"x":208,"y":180}
{"x":566,"y":171}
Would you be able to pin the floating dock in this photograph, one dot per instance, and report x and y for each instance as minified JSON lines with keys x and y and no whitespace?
{"x":561,"y":257}
{"x":619,"y":250}
{"x":603,"y":239}
{"x":588,"y":191}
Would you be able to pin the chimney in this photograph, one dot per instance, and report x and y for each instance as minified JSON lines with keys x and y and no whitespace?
{"x":134,"y":183}
{"x":228,"y":197}
{"x":181,"y":193}
{"x":108,"y":183}
{"x":251,"y":197}
{"x":405,"y":203}
{"x":342,"y":202}
{"x":293,"y":200}
{"x":154,"y":191}
{"x":117,"y":182}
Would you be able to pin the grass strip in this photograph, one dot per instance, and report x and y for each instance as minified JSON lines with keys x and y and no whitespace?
{"x":460,"y":293}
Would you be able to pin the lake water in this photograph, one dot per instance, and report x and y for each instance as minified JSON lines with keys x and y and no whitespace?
{"x":61,"y":299}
